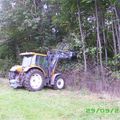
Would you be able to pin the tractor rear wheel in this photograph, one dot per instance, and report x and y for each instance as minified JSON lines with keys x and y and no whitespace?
{"x":34,"y":80}
{"x":59,"y":83}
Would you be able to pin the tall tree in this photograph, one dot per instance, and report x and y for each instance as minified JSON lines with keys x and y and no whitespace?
{"x":82,"y":35}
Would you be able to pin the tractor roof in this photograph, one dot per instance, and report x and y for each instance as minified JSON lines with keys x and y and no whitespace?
{"x":32,"y":53}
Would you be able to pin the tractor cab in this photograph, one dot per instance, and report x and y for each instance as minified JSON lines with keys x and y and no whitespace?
{"x":34,"y":59}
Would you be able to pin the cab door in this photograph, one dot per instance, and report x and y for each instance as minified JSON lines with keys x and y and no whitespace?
{"x":42,"y":61}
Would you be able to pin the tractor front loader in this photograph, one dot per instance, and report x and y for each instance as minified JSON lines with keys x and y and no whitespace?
{"x":38,"y":70}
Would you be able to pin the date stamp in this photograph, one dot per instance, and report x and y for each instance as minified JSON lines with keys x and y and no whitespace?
{"x":102,"y":110}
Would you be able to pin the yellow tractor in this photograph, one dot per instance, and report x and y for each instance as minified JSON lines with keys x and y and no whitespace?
{"x":38,"y":70}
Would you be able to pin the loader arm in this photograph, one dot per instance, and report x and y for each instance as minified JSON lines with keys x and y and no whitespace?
{"x":55,"y":57}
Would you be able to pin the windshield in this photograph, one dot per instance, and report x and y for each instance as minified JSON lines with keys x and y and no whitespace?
{"x":27,"y":61}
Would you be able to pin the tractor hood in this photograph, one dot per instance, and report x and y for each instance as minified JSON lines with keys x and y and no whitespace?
{"x":17,"y":68}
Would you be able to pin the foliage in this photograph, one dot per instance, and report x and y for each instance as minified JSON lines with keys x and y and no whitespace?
{"x":26,"y":28}
{"x":40,"y":25}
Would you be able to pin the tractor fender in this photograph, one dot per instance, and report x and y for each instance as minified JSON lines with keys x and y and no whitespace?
{"x":39,"y":68}
{"x":53,"y":78}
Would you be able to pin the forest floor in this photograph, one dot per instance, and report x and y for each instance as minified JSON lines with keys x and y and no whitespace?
{"x":51,"y":104}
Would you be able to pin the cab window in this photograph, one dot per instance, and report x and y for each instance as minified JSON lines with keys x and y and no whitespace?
{"x":42,"y":61}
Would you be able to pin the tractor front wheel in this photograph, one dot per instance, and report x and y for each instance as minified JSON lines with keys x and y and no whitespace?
{"x":34,"y":80}
{"x":59,"y":83}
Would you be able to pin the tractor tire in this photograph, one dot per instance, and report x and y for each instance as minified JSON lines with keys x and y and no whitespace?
{"x":34,"y":80}
{"x":59,"y":83}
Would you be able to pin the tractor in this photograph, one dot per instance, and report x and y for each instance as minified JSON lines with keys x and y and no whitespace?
{"x":38,"y":70}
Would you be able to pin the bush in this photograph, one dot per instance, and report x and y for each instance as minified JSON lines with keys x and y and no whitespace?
{"x":5,"y":65}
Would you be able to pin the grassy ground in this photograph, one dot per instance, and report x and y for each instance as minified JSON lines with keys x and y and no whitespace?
{"x":54,"y":105}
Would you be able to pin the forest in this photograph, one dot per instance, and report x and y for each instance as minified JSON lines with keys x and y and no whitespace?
{"x":89,"y":27}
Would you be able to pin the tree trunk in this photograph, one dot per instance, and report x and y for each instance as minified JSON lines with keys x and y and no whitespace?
{"x":102,"y":30}
{"x":82,"y":36}
{"x":114,"y":40}
{"x":117,"y":28}
{"x":105,"y":45}
{"x":98,"y":36}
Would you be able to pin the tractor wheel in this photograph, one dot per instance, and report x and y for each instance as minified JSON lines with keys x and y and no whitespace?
{"x":59,"y":83}
{"x":34,"y":80}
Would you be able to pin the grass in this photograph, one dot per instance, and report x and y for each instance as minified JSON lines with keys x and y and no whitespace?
{"x":50,"y":104}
